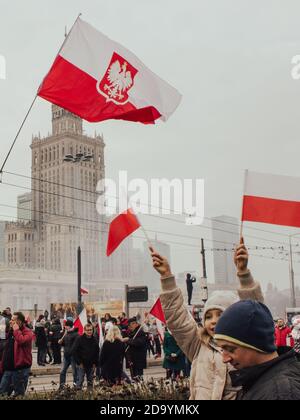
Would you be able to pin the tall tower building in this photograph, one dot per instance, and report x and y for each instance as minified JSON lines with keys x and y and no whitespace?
{"x":225,"y":235}
{"x":64,"y":197}
{"x":24,"y":207}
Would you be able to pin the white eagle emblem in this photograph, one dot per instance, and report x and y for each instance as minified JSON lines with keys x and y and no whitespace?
{"x":117,"y":80}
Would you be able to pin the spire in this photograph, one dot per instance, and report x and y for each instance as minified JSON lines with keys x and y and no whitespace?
{"x":64,"y":121}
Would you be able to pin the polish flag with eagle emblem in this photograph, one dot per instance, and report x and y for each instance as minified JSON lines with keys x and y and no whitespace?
{"x":98,"y":79}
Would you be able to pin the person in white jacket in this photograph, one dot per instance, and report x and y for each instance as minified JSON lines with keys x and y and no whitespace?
{"x":210,"y":378}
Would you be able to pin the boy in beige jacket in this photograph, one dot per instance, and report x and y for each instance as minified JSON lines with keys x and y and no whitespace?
{"x":210,"y":378}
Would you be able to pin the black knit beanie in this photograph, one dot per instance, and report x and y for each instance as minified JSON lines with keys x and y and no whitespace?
{"x":248,"y":324}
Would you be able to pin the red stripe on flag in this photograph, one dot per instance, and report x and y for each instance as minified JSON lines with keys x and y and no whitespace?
{"x":71,"y":88}
{"x":121,"y":227}
{"x":272,"y":211}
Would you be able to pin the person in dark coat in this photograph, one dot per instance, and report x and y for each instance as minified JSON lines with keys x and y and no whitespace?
{"x":41,"y":340}
{"x":174,"y":361}
{"x":55,"y":335}
{"x":67,"y":342}
{"x":245,"y":332}
{"x":112,"y":356}
{"x":189,"y":286}
{"x":136,"y":354}
{"x":86,"y":355}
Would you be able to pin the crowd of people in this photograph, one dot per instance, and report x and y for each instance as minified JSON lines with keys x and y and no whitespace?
{"x":237,"y":352}
{"x":126,"y":344}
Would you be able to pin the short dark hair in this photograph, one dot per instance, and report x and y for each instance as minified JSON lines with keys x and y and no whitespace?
{"x":69,"y":323}
{"x":20,"y":316}
{"x":133,"y":319}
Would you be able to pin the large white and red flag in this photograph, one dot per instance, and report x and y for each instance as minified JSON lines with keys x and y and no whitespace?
{"x":81,"y":321}
{"x":273,"y":199}
{"x":121,"y":226}
{"x":99,"y":79}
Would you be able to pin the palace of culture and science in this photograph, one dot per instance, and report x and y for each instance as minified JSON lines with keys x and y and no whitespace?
{"x":57,"y":216}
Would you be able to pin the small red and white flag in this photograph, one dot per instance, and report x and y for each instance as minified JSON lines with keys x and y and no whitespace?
{"x":157,"y":311}
{"x":98,"y":79}
{"x":81,"y":321}
{"x":272,"y":199}
{"x":84,"y":291}
{"x":122,"y":226}
{"x":101,"y":335}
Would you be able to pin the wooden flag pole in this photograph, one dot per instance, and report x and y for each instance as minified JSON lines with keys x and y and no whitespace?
{"x":242,"y":211}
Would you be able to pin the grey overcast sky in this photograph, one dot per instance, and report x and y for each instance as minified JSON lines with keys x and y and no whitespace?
{"x":230,"y":59}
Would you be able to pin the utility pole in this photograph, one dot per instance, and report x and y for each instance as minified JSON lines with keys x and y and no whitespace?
{"x":203,"y":258}
{"x":204,"y":278}
{"x":126,"y":309}
{"x":79,"y":299}
{"x":292,"y":276}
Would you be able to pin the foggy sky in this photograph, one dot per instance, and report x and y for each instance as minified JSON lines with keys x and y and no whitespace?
{"x":230,"y":59}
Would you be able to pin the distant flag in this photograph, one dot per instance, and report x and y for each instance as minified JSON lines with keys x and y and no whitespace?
{"x":272,"y":199}
{"x":98,"y":79}
{"x":160,"y":329}
{"x":120,"y":228}
{"x":84,"y":291}
{"x":101,"y":336}
{"x":157,"y":311}
{"x":81,"y":321}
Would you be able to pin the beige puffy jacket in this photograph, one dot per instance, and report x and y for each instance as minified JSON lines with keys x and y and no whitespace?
{"x":210,"y":378}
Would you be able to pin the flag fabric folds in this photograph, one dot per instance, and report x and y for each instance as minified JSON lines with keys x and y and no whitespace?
{"x":81,"y":321}
{"x":84,"y":291}
{"x":272,"y":199}
{"x":157,"y":311}
{"x":121,"y":227}
{"x":99,"y":79}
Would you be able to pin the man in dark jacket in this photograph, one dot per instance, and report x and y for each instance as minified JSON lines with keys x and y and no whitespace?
{"x":55,"y":335}
{"x":86,"y":355}
{"x":136,"y":353}
{"x":41,"y":340}
{"x":245,"y":332}
{"x":189,"y":287}
{"x":67,"y":342}
{"x":17,"y":357}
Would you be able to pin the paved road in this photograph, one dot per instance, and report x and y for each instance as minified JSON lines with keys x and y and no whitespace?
{"x":51,"y":382}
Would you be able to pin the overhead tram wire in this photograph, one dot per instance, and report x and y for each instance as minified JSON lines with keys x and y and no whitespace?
{"x":141,"y":237}
{"x":107,"y":223}
{"x":151,"y":206}
{"x":149,"y":215}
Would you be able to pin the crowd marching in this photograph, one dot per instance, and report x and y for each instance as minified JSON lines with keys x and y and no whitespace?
{"x":236,"y":352}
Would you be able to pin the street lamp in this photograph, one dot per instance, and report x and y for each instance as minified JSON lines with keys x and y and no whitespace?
{"x":292,"y":274}
{"x":78,"y":158}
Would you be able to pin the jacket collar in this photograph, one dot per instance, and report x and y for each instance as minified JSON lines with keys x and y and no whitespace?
{"x":248,"y":376}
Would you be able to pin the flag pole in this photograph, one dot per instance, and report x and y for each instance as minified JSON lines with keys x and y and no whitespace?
{"x":16,"y":137}
{"x":145,"y":233}
{"x":242,"y":211}
{"x":30,"y":108}
{"x":141,"y":326}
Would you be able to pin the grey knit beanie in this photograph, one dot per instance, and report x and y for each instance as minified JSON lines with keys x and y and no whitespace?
{"x":220,"y":299}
